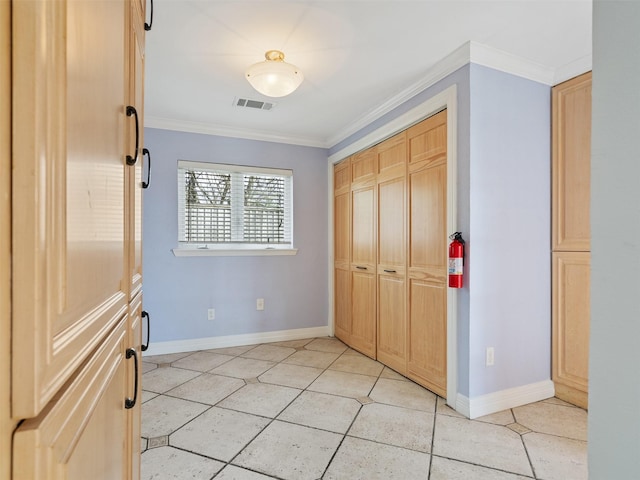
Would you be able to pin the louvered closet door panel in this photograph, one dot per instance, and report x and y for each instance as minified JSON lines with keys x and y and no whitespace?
{"x":427,"y":271}
{"x":70,"y":284}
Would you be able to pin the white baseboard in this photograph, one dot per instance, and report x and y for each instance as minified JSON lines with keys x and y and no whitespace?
{"x":504,"y":399}
{"x":194,"y":344}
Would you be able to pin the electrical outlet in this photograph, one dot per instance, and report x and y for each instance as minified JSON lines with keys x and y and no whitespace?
{"x":490,"y":357}
{"x":260,"y":304}
{"x":211,"y":314}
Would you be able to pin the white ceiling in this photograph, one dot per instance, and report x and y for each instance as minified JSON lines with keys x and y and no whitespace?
{"x":355,"y":55}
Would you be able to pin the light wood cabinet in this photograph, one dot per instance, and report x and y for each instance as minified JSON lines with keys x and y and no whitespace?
{"x":570,"y":232}
{"x":76,"y":227}
{"x":398,"y":252}
{"x":69,"y":282}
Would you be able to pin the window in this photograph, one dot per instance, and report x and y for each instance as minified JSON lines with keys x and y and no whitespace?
{"x":234,"y":207}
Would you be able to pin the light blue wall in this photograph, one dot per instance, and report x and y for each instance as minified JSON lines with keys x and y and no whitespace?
{"x":503,"y":150}
{"x":503,"y":188}
{"x":460,"y":78}
{"x":179,"y":290}
{"x":509,"y":240}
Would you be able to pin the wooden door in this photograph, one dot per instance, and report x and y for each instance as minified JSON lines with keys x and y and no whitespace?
{"x":133,"y":380}
{"x":363,"y":253}
{"x":571,"y":165}
{"x":571,"y":174}
{"x":391,"y":267}
{"x":427,"y":270}
{"x":7,"y":423}
{"x":134,"y":172}
{"x":82,"y":433}
{"x":341,"y":250}
{"x":70,"y":285}
{"x":571,"y":313}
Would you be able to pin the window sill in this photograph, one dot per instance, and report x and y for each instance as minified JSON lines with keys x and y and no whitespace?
{"x":245,"y":252}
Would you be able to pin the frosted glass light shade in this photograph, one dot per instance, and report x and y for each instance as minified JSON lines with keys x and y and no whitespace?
{"x":274,"y":77}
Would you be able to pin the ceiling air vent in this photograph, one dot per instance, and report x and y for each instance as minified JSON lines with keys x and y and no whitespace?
{"x":257,"y":104}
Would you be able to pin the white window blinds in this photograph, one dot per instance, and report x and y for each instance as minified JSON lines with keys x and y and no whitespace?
{"x":227,"y":204}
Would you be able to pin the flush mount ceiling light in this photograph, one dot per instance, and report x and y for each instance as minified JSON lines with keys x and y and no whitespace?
{"x":274,"y":77}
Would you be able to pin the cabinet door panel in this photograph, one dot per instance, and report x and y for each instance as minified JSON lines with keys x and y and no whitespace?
{"x":392,"y":157}
{"x":134,"y":340}
{"x":427,"y":358}
{"x":134,"y":172}
{"x":571,"y":314}
{"x":342,"y":299}
{"x":363,"y":167}
{"x":571,"y":138}
{"x":341,"y":230}
{"x":391,"y":223}
{"x":342,"y":176}
{"x":69,"y":280}
{"x":363,"y":251}
{"x":81,"y":434}
{"x":428,"y":200}
{"x":363,"y":312}
{"x":392,"y":328}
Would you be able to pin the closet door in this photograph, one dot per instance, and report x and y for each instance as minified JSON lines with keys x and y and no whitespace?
{"x":427,"y":272}
{"x":391,"y":267}
{"x":70,"y":285}
{"x":341,"y":249}
{"x":363,"y":253}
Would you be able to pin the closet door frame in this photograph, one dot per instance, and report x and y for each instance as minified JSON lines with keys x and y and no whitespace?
{"x":446,"y":99}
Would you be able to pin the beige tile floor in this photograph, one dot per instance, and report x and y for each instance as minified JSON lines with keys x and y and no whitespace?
{"x":315,"y":409}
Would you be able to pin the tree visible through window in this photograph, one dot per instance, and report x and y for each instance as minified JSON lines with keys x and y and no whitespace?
{"x":222,"y":204}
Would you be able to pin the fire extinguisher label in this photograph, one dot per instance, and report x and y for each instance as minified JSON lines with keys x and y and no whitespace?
{"x":455,"y":266}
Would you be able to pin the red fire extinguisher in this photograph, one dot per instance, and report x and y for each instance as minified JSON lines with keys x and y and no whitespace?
{"x":456,"y":255}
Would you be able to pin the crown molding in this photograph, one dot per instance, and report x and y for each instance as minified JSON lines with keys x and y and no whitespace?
{"x":573,"y":69}
{"x":469,"y":52}
{"x":222,"y":131}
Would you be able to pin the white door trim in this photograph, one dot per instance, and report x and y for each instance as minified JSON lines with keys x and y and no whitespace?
{"x":446,"y":99}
